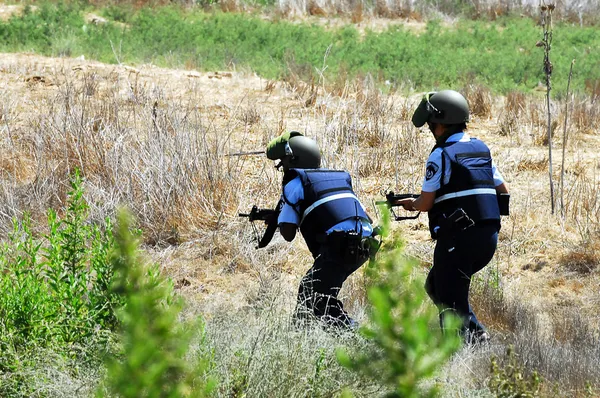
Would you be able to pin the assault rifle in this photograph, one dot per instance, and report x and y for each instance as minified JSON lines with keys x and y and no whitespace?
{"x":390,"y":202}
{"x":257,"y":214}
{"x":269,"y":216}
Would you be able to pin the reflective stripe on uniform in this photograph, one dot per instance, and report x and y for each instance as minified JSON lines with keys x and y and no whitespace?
{"x":468,"y":192}
{"x":325,"y":200}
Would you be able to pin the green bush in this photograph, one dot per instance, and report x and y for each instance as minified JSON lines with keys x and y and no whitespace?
{"x":406,"y":349}
{"x":54,"y":289}
{"x":118,"y":13}
{"x":54,"y":294}
{"x":152,"y":361}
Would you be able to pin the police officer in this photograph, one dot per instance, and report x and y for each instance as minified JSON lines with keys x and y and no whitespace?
{"x":334,"y":224}
{"x":461,"y":194}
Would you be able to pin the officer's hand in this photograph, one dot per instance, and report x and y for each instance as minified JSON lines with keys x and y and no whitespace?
{"x":407,"y":203}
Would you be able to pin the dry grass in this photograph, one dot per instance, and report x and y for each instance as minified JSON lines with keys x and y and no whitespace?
{"x":560,"y":344}
{"x":136,"y":145}
{"x":514,"y":107}
{"x":523,"y":119}
{"x":536,"y":165}
{"x":47,"y":373}
{"x":582,"y":260}
{"x":480,"y":100}
{"x":258,"y":353}
{"x":585,"y":115}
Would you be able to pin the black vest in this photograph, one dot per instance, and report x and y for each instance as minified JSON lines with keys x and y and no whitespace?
{"x":471,"y":186}
{"x":328,"y":200}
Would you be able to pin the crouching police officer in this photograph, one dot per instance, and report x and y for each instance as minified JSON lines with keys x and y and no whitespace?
{"x":333,"y":222}
{"x":463,"y":193}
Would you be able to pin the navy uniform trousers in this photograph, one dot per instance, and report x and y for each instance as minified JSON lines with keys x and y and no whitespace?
{"x":455,"y":260}
{"x":319,"y":288}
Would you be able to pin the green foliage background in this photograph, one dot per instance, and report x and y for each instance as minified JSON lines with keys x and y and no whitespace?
{"x":500,"y":54}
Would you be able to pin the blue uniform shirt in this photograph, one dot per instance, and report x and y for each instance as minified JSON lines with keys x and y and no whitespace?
{"x":294,"y":192}
{"x":433,"y":168}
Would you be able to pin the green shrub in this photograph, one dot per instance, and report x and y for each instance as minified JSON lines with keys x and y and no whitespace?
{"x":118,"y":13}
{"x":54,"y":294}
{"x":407,"y":350}
{"x":152,"y":361}
{"x":54,"y":288}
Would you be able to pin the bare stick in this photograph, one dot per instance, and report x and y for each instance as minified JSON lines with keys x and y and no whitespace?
{"x":546,"y":42}
{"x":564,"y":145}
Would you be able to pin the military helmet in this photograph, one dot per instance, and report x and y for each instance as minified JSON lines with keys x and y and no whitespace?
{"x":445,"y":107}
{"x":295,"y":151}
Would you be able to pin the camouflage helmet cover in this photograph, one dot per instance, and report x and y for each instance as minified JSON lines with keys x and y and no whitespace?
{"x":295,"y":151}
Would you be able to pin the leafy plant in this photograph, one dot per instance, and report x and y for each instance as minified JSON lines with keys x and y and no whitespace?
{"x":78,"y":270}
{"x":54,"y":288}
{"x":54,"y":291}
{"x":152,"y":361}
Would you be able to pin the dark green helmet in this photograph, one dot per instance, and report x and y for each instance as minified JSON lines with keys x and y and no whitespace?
{"x":445,"y":107}
{"x":295,"y":151}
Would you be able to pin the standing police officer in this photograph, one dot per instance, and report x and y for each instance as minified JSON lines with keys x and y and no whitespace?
{"x":334,"y":224}
{"x":461,"y":193}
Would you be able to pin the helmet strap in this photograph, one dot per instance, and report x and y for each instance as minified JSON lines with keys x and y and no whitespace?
{"x":431,"y":109}
{"x":442,"y":138}
{"x":449,"y":130}
{"x":287,"y":162}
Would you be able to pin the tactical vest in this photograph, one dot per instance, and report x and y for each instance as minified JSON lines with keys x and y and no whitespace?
{"x":328,"y":200}
{"x":471,"y":186}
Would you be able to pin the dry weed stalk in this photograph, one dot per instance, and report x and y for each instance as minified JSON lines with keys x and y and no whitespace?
{"x":564,"y":144}
{"x":546,"y":42}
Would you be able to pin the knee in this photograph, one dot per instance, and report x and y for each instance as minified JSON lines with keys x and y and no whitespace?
{"x":429,"y":288}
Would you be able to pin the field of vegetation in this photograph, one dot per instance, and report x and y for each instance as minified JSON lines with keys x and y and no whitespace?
{"x":107,"y":107}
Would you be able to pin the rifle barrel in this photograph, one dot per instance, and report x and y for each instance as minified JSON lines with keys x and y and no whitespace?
{"x":245,"y":153}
